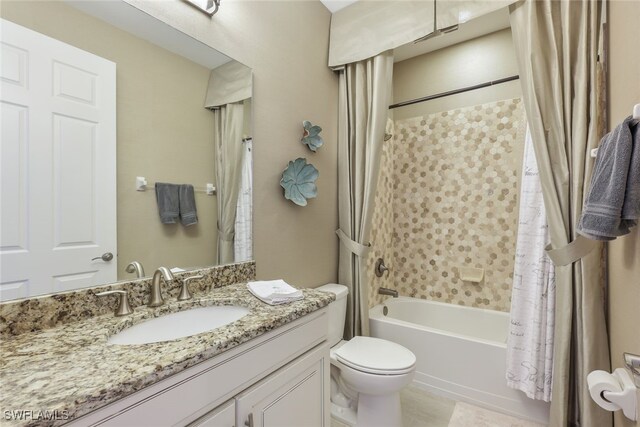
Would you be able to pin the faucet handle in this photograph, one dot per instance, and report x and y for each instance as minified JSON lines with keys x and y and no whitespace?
{"x":184,"y":292}
{"x":380,"y":268}
{"x":123,"y":308}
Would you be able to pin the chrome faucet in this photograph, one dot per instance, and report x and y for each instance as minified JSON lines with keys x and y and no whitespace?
{"x":135,"y":267}
{"x":156,"y":300}
{"x":387,"y":291}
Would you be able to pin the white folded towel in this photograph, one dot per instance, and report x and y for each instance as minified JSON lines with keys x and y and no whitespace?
{"x":274,"y":292}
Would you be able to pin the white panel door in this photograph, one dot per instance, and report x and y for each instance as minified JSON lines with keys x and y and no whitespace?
{"x":58,"y":137}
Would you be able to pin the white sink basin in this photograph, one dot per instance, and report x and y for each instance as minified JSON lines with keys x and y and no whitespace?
{"x":179,"y":325}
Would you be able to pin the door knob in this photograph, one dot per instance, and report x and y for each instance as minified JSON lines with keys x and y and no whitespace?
{"x":106,"y":257}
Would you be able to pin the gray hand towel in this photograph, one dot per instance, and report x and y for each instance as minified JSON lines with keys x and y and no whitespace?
{"x":168,"y":200}
{"x":188,"y":213}
{"x":631,"y":206}
{"x":612,"y":186}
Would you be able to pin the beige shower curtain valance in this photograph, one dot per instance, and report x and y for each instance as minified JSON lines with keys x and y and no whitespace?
{"x":367,"y":28}
{"x":228,"y":83}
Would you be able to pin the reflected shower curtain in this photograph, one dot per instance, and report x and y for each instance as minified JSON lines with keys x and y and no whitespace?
{"x":228,"y":151}
{"x":557,"y":45}
{"x":530,"y":340}
{"x":243,"y":244}
{"x":365,"y":93}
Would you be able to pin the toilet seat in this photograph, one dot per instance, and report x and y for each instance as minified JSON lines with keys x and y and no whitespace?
{"x":376,"y":356}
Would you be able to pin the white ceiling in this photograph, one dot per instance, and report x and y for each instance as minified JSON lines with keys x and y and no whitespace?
{"x":132,"y":20}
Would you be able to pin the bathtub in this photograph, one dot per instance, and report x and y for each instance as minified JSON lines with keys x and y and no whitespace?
{"x":460,"y":351}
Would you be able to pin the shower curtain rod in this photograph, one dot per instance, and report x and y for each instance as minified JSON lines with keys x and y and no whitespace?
{"x":454,"y":92}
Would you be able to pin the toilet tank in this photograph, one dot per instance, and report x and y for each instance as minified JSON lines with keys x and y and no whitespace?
{"x":337,"y":311}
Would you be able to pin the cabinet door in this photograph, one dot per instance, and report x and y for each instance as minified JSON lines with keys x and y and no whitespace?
{"x":223,"y":416}
{"x":295,"y":396}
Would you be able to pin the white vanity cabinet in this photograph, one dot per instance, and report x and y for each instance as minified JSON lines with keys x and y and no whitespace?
{"x":277,"y":379}
{"x":293,"y":396}
{"x":223,"y":416}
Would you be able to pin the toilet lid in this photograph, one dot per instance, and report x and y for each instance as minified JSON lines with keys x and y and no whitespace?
{"x":376,"y":356}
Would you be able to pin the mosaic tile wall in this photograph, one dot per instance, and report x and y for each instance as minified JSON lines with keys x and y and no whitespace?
{"x":454,"y":201}
{"x":382,"y":228}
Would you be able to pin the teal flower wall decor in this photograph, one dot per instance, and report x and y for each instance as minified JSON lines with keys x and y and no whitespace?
{"x":299,"y":181}
{"x":311,"y":137}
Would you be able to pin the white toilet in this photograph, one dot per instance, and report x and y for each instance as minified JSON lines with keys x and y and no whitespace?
{"x":367,"y":374}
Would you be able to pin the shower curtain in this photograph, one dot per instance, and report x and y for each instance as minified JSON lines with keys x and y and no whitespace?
{"x":365,"y":93}
{"x":228,"y":151}
{"x":530,"y":339}
{"x":242,"y":244}
{"x":557,"y":47}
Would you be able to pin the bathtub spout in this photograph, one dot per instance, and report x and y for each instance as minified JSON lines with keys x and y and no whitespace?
{"x":387,"y":291}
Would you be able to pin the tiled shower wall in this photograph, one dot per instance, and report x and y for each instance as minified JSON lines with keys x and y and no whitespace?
{"x":453,"y":180}
{"x":382,"y":228}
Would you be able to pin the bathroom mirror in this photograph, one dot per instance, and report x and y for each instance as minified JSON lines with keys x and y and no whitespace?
{"x":161,"y":131}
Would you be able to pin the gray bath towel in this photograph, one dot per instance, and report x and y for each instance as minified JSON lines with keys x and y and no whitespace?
{"x":611,"y":206}
{"x":168,"y":199}
{"x":188,"y":213}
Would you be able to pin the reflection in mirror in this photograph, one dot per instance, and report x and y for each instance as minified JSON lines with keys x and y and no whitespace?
{"x":119,"y":95}
{"x":227,"y":97}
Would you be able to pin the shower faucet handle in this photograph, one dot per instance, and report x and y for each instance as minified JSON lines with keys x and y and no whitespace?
{"x":380,"y":268}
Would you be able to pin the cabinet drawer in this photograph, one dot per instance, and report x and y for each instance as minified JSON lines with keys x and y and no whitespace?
{"x":222,"y":416}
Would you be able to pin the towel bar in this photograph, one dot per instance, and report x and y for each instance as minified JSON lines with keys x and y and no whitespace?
{"x":142,"y":185}
{"x":636,"y":116}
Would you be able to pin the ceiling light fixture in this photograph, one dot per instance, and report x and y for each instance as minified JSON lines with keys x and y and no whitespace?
{"x":210,"y":7}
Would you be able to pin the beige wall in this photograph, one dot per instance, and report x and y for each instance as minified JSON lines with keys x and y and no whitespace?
{"x":286,"y":45}
{"x":483,"y":59}
{"x":624,"y":253}
{"x":161,"y":124}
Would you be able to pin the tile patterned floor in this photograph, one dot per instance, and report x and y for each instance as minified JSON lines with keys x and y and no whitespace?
{"x":423,"y":409}
{"x":465,"y":415}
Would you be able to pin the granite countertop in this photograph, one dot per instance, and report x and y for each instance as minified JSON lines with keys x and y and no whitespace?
{"x":72,"y":368}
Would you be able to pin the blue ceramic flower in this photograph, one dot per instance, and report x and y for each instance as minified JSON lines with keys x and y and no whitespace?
{"x":299,"y":181}
{"x":311,"y":137}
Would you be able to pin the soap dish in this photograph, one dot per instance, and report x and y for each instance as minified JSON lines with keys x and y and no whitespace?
{"x":471,"y":274}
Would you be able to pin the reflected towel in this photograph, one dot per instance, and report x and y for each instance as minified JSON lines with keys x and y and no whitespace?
{"x":167,"y":196}
{"x":612,"y":205}
{"x":188,"y":212}
{"x":274,"y":292}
